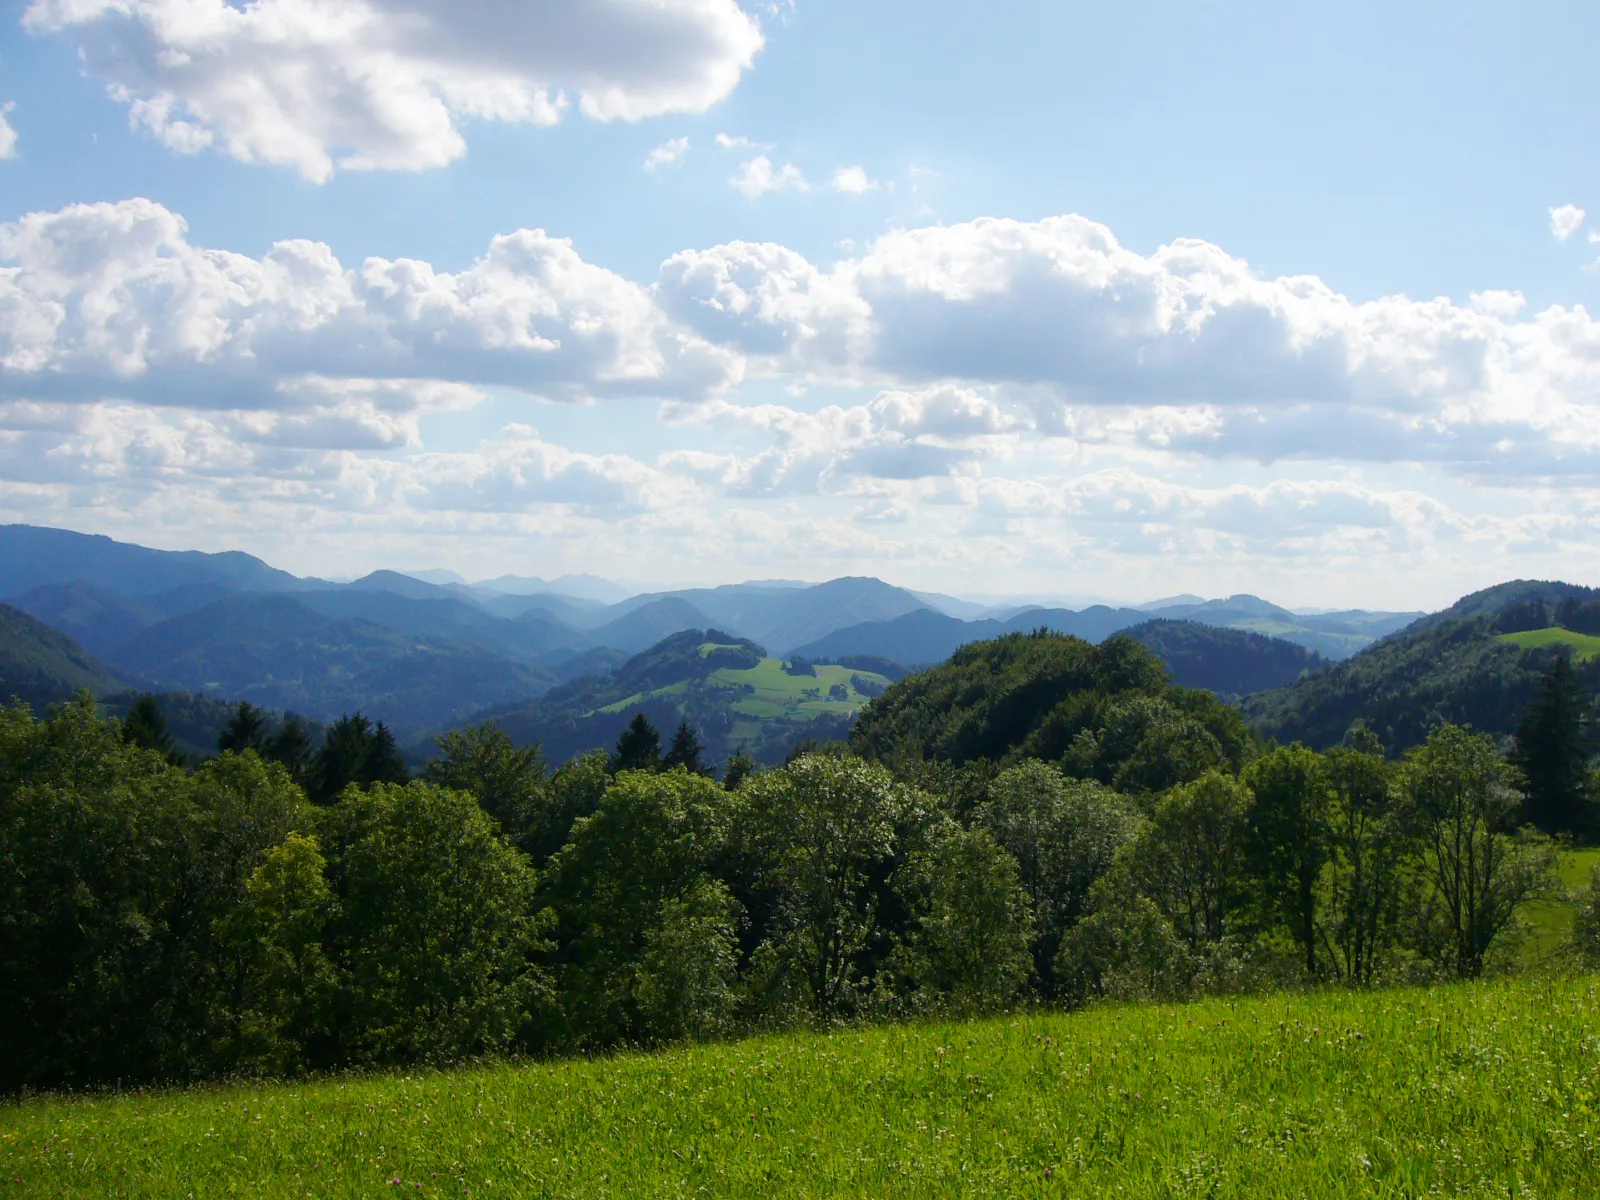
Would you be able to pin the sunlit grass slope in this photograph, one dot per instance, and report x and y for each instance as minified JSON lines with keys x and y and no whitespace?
{"x":1550,"y":921}
{"x":1488,"y":1090}
{"x":1584,"y":645}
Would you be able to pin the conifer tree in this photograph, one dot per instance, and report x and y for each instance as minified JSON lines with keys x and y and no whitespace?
{"x":1553,"y":755}
{"x":685,"y":751}
{"x":291,"y":746}
{"x":146,"y":727}
{"x":639,"y":747}
{"x":245,"y":730}
{"x":383,"y":764}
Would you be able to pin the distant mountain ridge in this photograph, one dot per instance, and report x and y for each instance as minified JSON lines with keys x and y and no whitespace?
{"x":1458,"y":665}
{"x":173,"y":618}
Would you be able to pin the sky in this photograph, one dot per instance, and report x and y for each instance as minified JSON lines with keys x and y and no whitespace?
{"x":1013,"y":299}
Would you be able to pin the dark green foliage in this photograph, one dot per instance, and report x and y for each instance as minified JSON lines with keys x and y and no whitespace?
{"x":632,"y":882}
{"x":1459,"y":796}
{"x":1229,"y":662}
{"x":685,"y":751}
{"x":40,"y":666}
{"x":1286,"y":840}
{"x":1553,"y":753}
{"x":592,"y":711}
{"x":250,"y":728}
{"x":430,"y":928}
{"x":738,"y":769}
{"x":1017,"y":695}
{"x":822,"y":835}
{"x":507,"y":780}
{"x":1455,"y":671}
{"x":354,"y":751}
{"x":1579,"y":615}
{"x":1064,"y":835}
{"x":639,"y":747}
{"x":1369,"y":860}
{"x":115,"y":868}
{"x":291,"y":746}
{"x":967,"y":948}
{"x":276,"y":651}
{"x":146,"y":727}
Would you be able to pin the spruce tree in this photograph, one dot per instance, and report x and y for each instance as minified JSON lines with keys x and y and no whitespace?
{"x":383,"y":762}
{"x":245,"y":730}
{"x":1553,"y":754}
{"x":685,"y":751}
{"x":146,"y":728}
{"x":639,"y":747}
{"x":291,"y":746}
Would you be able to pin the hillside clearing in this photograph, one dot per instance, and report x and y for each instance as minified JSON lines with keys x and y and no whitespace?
{"x":1584,"y":645}
{"x":1481,"y":1090}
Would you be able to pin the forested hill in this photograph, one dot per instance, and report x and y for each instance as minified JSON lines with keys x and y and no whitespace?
{"x":1474,"y":664}
{"x":738,"y":699}
{"x":1229,"y":662}
{"x":40,"y":666}
{"x":1105,"y":711}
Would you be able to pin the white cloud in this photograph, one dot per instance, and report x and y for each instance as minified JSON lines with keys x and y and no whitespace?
{"x":8,"y":134}
{"x":112,"y":300}
{"x":994,"y":395}
{"x":853,"y":181}
{"x":386,"y":84}
{"x":757,"y":177}
{"x":668,"y":154}
{"x":1058,"y":308}
{"x":729,"y":142}
{"x":1565,"y":221}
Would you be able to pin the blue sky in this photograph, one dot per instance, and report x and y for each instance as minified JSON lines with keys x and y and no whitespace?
{"x":1027,"y":298}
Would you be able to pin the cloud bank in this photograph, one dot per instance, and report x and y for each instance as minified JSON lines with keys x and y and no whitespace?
{"x":320,"y":85}
{"x":1026,"y":395}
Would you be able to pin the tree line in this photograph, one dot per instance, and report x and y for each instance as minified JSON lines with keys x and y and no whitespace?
{"x":275,"y":913}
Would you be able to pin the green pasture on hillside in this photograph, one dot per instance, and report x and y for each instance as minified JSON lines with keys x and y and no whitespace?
{"x":778,"y":693}
{"x":1550,"y":921}
{"x":1584,"y":645}
{"x":775,"y":692}
{"x":1487,"y":1090}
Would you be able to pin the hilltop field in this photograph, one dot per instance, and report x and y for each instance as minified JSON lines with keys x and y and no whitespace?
{"x":1469,"y":1090}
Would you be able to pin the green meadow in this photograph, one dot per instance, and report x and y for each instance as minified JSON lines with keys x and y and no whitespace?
{"x":770,"y":691}
{"x":1584,"y":645}
{"x":1489,"y":1089}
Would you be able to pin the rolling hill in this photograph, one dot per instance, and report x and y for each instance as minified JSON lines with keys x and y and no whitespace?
{"x":277,"y":652}
{"x":1229,"y":662}
{"x":31,"y":556}
{"x":40,"y":666}
{"x":738,"y":698}
{"x":1454,"y":666}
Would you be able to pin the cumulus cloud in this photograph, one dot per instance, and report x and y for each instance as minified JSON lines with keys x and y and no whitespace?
{"x":996,"y":393}
{"x":740,"y":142}
{"x":668,"y":154}
{"x":898,"y":435}
{"x":1565,"y":221}
{"x":386,"y":84}
{"x":8,"y":134}
{"x":1059,"y":309}
{"x":758,"y":176}
{"x":114,"y":300}
{"x":853,"y":181}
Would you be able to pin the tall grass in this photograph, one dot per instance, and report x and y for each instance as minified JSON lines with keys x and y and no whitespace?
{"x":1472,"y":1090}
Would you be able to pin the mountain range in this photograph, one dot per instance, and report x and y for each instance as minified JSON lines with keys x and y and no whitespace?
{"x":427,"y":653}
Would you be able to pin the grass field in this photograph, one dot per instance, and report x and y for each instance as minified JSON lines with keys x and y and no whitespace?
{"x":776,"y":693}
{"x":1583,"y":645}
{"x":1483,"y":1090}
{"x":1550,"y":921}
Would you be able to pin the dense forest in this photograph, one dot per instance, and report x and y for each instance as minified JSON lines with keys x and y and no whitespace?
{"x":1039,"y":820}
